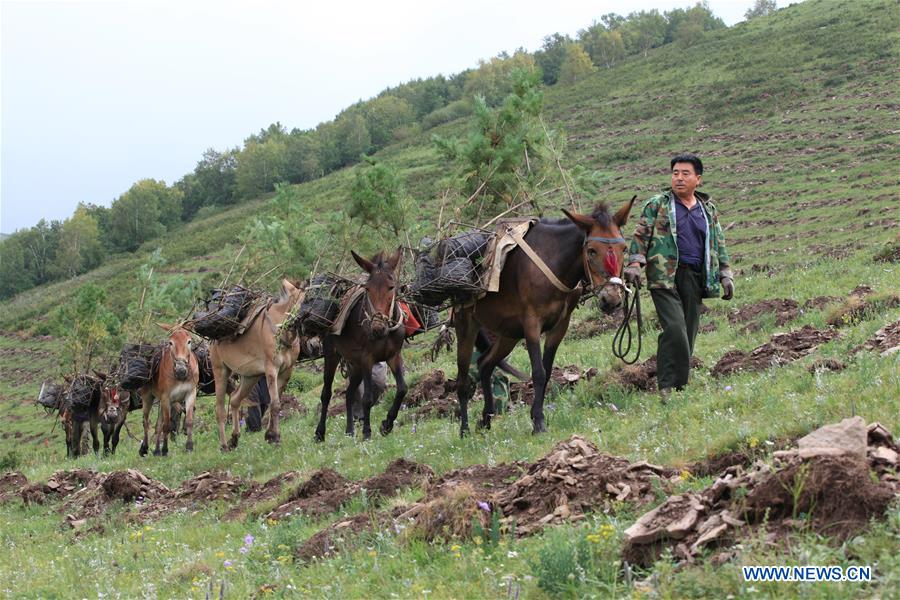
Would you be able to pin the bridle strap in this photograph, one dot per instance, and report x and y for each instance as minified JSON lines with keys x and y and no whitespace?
{"x":605,"y":240}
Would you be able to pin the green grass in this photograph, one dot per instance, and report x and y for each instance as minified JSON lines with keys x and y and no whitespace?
{"x":795,"y":117}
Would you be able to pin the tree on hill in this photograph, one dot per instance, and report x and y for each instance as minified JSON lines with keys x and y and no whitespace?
{"x":302,"y":159}
{"x":501,"y":161}
{"x":260,"y":165}
{"x":644,"y":30}
{"x":492,"y":79}
{"x":144,"y":212}
{"x":352,"y":137}
{"x":576,"y":67}
{"x":88,"y":329}
{"x":377,"y":198}
{"x":761,"y":8}
{"x":551,"y":56}
{"x":606,"y":47}
{"x":79,"y":249}
{"x":385,"y":116}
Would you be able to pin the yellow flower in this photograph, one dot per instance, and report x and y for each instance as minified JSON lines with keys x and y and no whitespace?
{"x":686,"y":475}
{"x":373,"y":553}
{"x":455,"y":548}
{"x":478,"y":541}
{"x":220,"y":554}
{"x":754,"y":442}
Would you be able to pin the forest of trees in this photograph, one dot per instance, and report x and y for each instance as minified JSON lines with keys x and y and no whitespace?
{"x":64,"y":249}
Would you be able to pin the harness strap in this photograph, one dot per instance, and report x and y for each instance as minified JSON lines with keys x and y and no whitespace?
{"x":539,"y":262}
{"x":605,"y":240}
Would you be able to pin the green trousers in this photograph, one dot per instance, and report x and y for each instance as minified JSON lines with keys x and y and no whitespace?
{"x":678,"y":310}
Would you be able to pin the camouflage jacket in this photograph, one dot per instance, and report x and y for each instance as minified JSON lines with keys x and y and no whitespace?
{"x":654,"y":244}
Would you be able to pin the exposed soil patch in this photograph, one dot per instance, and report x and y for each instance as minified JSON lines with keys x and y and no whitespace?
{"x":598,"y":324}
{"x":572,"y":480}
{"x":343,"y":534}
{"x":782,"y":349}
{"x":824,"y":486}
{"x":484,"y":480}
{"x":60,"y":485}
{"x":820,"y":302}
{"x":566,"y":377}
{"x":11,"y":483}
{"x":784,"y":309}
{"x":886,"y":340}
{"x":292,"y":407}
{"x":641,"y":376}
{"x":326,"y":490}
{"x":256,"y":494}
{"x":105,"y":489}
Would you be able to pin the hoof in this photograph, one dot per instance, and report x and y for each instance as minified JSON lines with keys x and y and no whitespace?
{"x":386,"y":427}
{"x":156,"y":452}
{"x":189,"y":446}
{"x":463,"y":432}
{"x":142,"y":451}
{"x":224,"y":448}
{"x":233,"y":443}
{"x":538,"y":429}
{"x":320,"y":438}
{"x":273,"y":438}
{"x":483,"y":424}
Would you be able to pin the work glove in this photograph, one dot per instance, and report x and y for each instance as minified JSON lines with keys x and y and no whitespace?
{"x":632,"y":274}
{"x":727,"y":288}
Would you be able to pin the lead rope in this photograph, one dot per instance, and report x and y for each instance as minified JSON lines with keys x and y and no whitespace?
{"x":624,"y":333}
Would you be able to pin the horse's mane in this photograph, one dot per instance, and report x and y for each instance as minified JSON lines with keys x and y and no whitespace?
{"x":600,"y":214}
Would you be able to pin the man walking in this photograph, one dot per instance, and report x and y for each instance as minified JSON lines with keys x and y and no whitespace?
{"x":680,"y":243}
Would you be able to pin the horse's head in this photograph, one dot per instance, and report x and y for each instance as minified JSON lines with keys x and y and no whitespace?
{"x":113,"y":401}
{"x":179,"y":346}
{"x":381,"y":296}
{"x":291,"y":293}
{"x":604,"y":252}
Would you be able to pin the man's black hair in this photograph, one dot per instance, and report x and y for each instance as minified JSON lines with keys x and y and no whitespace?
{"x":688,"y":158}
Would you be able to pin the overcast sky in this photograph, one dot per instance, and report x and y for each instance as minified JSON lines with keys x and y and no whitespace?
{"x":97,"y":95}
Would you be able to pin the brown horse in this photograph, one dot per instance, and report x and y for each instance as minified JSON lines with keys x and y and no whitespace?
{"x":265,"y":349}
{"x":175,"y":381}
{"x":374,"y":332}
{"x":587,"y":248}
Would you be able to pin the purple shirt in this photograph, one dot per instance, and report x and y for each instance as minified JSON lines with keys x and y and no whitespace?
{"x":691,"y":233}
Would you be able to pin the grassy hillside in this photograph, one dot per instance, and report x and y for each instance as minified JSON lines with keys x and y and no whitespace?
{"x":796,"y":118}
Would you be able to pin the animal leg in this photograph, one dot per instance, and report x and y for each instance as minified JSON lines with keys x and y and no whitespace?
{"x":107,"y":435}
{"x":538,"y":376}
{"x":162,"y":426}
{"x":221,"y":375}
{"x":368,"y":401}
{"x":77,"y":431}
{"x":396,"y":365}
{"x":95,"y":422}
{"x":331,"y":364}
{"x":116,"y":430}
{"x":552,"y":341}
{"x":273,"y":433}
{"x":147,"y":403}
{"x":189,"y":419}
{"x":466,"y":330}
{"x":499,"y":350}
{"x":352,"y":387}
{"x":241,"y":394}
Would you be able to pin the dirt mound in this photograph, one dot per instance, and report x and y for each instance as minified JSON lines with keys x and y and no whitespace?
{"x":826,"y":364}
{"x":784,"y":309}
{"x":106,"y":489}
{"x":782,"y":349}
{"x":560,"y":377}
{"x":11,"y":483}
{"x":826,"y":480}
{"x":433,"y":385}
{"x":886,"y":340}
{"x":400,"y":473}
{"x":291,"y":407}
{"x":641,"y":376}
{"x":820,"y":302}
{"x":597,"y":324}
{"x":60,"y":484}
{"x":256,"y":494}
{"x":327,"y":490}
{"x":342,"y":534}
{"x":573,"y":479}
{"x":484,"y":480}
{"x":212,"y":485}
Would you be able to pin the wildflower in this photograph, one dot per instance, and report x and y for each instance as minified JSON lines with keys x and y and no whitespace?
{"x":728,"y":388}
{"x":455,"y":548}
{"x":484,"y":506}
{"x":685,"y":474}
{"x":220,"y":554}
{"x":477,"y":541}
{"x":754,"y":442}
{"x":248,"y":540}
{"x":512,"y":554}
{"x":244,"y":550}
{"x":373,"y":553}
{"x":227,"y":563}
{"x":271,"y":522}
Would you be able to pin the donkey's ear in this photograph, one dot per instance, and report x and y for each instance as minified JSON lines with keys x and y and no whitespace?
{"x":621,"y":217}
{"x":164,"y":326}
{"x":394,"y":260}
{"x":366,"y":265}
{"x":287,"y":286}
{"x":583,"y":221}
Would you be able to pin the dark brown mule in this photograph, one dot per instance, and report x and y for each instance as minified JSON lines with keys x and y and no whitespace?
{"x":265,"y":349}
{"x":175,"y":381}
{"x":74,"y":418}
{"x":528,"y":304}
{"x":374,"y":332}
